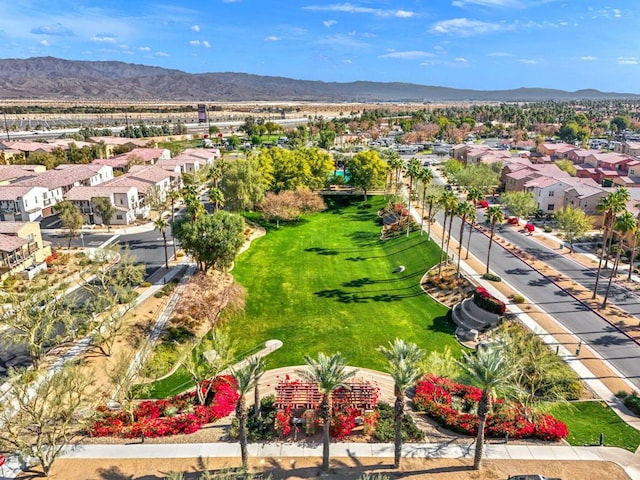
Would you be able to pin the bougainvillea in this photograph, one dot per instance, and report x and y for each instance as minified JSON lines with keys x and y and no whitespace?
{"x":454,"y":405}
{"x":486,"y":301}
{"x":159,"y":418}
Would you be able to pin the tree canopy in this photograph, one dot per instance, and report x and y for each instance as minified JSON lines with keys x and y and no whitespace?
{"x":213,"y":240}
{"x":366,"y":170}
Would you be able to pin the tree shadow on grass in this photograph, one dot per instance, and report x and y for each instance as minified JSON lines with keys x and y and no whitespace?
{"x":360,"y":282}
{"x":442,"y":323}
{"x":344,"y":296}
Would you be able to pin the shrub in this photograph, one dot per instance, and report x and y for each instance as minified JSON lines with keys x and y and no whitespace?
{"x":454,"y":405}
{"x":385,"y":429}
{"x":491,"y":277}
{"x":517,"y":298}
{"x":486,"y":301}
{"x":632,"y":402}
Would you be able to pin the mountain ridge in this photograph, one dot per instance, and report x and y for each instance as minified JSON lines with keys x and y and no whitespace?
{"x":50,"y":78}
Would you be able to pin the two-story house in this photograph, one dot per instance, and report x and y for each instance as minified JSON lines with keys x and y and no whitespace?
{"x":21,"y":247}
{"x":124,"y":198}
{"x":22,"y":203}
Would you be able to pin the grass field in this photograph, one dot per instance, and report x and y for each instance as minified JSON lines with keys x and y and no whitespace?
{"x":327,"y":283}
{"x":586,"y":420}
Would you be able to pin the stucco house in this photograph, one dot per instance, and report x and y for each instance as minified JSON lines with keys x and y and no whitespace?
{"x":124,"y":198}
{"x":21,"y":247}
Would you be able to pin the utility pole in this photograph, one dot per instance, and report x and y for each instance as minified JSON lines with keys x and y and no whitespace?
{"x":6,"y":126}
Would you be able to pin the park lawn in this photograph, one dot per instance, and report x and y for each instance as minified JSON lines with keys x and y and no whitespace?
{"x":586,"y":420}
{"x":327,"y":283}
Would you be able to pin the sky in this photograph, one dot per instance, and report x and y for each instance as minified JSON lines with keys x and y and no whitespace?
{"x":476,"y":44}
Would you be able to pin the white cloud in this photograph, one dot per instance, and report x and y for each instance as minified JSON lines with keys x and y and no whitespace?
{"x":589,"y":58}
{"x":195,"y":28}
{"x":617,"y":13}
{"x":348,"y":40}
{"x":487,"y":3}
{"x":627,"y":61}
{"x":123,"y":46}
{"x":407,"y":55}
{"x":349,"y":8}
{"x":104,"y":38}
{"x":461,"y":60}
{"x":44,"y":43}
{"x":199,"y":43}
{"x":499,"y":54}
{"x":347,"y":61}
{"x":463,"y":27}
{"x":272,"y":38}
{"x":162,"y":54}
{"x":528,"y":61}
{"x":55,"y":29}
{"x":329,"y":23}
{"x":144,"y":49}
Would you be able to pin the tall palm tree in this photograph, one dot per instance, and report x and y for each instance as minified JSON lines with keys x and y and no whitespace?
{"x":491,"y":373}
{"x":634,"y":245}
{"x":425,"y":176}
{"x":413,"y":171}
{"x":245,"y":379}
{"x":257,"y":367}
{"x":173,"y":195}
{"x":495,"y":215}
{"x":329,"y":373}
{"x":471,"y":217}
{"x":611,"y":205}
{"x":396,"y":165}
{"x":161,"y":225}
{"x":464,"y":210}
{"x":432,"y":199}
{"x":216,"y":197}
{"x":625,"y":223}
{"x":405,"y":369}
{"x":448,"y":201}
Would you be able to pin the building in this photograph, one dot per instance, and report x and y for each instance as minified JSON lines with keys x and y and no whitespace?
{"x":21,"y":248}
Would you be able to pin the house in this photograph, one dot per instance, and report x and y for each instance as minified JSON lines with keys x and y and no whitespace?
{"x":628,"y":148}
{"x":61,"y":179}
{"x":585,"y":195}
{"x":608,"y":161}
{"x":27,"y":148}
{"x":514,"y":181}
{"x":113,"y":144}
{"x":547,"y":192}
{"x":14,"y":173}
{"x":556,"y":150}
{"x":22,"y":203}
{"x":152,"y":183}
{"x":124,"y":198}
{"x":579,"y":156}
{"x":21,"y":247}
{"x":144,"y":156}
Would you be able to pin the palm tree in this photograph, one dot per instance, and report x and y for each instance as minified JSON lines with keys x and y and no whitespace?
{"x":396,"y":165}
{"x":257,"y":367}
{"x":464,"y":210}
{"x":495,"y":215}
{"x":474,"y":195}
{"x":489,"y":371}
{"x":161,"y":225}
{"x":404,"y":367}
{"x":448,"y":201}
{"x":432,"y":199}
{"x":413,"y":171}
{"x":329,"y":373}
{"x":471,"y":218}
{"x":245,"y":379}
{"x":216,"y":197}
{"x":634,"y":245}
{"x":625,"y":223}
{"x":173,"y":195}
{"x":611,"y":205}
{"x":425,"y":176}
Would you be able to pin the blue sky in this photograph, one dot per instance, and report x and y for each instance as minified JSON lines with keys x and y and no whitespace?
{"x":479,"y":44}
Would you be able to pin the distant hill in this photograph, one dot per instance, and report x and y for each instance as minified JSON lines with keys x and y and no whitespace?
{"x":57,"y":79}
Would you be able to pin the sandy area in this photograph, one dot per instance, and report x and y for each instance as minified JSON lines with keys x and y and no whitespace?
{"x":341,"y":468}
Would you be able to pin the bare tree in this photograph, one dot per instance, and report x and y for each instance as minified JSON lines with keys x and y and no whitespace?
{"x":48,"y":414}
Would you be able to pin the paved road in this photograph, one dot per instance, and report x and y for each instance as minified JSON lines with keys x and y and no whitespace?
{"x":615,"y":347}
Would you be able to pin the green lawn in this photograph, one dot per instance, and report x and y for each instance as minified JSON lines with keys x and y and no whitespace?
{"x":586,"y":420}
{"x":327,"y":284}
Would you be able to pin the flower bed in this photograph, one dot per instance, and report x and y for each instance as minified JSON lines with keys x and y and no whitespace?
{"x":160,"y":418}
{"x":486,"y":301}
{"x":454,"y":405}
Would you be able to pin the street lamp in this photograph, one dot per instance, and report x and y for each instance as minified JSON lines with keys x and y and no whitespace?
{"x":82,"y":239}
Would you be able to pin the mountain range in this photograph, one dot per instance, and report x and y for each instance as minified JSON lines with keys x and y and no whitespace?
{"x":49,"y":78}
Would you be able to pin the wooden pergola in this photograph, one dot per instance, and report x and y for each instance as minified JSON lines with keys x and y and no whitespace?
{"x":301,"y":394}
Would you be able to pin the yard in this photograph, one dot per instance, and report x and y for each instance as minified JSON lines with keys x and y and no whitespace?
{"x":327,"y":283}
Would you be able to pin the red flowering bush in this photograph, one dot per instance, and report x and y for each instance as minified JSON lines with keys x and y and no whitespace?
{"x":454,"y":405}
{"x":283,"y":422}
{"x":484,"y":204}
{"x":343,"y":422}
{"x":486,"y":301}
{"x":179,"y":414}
